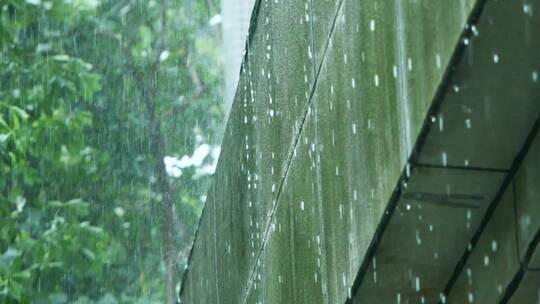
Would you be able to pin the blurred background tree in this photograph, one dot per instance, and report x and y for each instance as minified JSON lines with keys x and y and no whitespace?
{"x":110,"y":116}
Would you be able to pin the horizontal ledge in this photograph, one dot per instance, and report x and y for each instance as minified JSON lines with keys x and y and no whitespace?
{"x":470,"y":168}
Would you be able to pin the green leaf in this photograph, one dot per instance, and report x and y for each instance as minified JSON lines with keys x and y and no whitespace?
{"x":86,"y":5}
{"x":20,"y":112}
{"x":4,"y":137}
{"x":3,"y":123}
{"x":8,"y":256}
{"x":33,"y":2}
{"x":89,"y":253}
{"x":146,"y":36}
{"x":58,"y":298}
{"x":15,"y":121}
{"x":61,"y":58}
{"x":26,"y":274}
{"x":15,"y":289}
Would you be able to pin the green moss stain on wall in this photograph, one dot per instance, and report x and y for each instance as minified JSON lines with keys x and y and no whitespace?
{"x":331,"y":99}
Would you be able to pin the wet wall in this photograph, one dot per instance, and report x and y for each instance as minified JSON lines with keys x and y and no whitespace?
{"x":368,"y":148}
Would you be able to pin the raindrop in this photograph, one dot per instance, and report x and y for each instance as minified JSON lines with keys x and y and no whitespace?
{"x":474,"y":30}
{"x":494,"y":245}
{"x":164,"y":55}
{"x":444,"y":158}
{"x":527,"y":9}
{"x":471,"y":297}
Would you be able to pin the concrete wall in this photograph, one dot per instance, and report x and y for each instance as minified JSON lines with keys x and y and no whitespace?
{"x":349,"y":114}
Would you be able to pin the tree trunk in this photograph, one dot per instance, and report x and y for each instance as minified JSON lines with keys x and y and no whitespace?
{"x":166,"y":210}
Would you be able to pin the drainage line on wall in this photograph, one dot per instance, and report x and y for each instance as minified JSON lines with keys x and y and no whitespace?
{"x":292,"y":151}
{"x":251,"y":33}
{"x":468,"y":168}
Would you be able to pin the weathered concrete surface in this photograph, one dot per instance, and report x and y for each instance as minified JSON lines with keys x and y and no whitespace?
{"x":505,"y":247}
{"x":455,"y":178}
{"x":366,"y":147}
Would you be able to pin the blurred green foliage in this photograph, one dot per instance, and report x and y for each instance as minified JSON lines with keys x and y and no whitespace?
{"x":93,"y":95}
